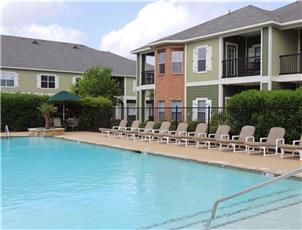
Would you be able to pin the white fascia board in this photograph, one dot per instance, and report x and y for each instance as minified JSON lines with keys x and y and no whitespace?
{"x":288,"y":78}
{"x":145,"y":87}
{"x":57,"y":71}
{"x":239,"y":80}
{"x":140,"y":50}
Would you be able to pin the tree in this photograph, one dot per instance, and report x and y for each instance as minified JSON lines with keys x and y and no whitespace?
{"x":46,"y":110}
{"x":98,"y":82}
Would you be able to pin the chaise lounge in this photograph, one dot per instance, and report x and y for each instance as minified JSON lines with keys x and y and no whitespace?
{"x":107,"y":131}
{"x":273,"y":141}
{"x":294,"y":149}
{"x":238,"y":141}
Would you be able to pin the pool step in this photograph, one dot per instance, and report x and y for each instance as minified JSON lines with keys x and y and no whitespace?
{"x":234,"y":212}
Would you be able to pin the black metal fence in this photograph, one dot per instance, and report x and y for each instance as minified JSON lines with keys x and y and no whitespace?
{"x":263,"y":119}
{"x":291,"y":64}
{"x":148,"y":77}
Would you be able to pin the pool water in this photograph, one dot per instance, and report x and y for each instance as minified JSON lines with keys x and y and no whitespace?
{"x":54,"y":183}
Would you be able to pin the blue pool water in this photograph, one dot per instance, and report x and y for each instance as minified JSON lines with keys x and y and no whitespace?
{"x":53,"y":183}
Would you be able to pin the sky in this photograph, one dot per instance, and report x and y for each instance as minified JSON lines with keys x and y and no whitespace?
{"x":115,"y":26}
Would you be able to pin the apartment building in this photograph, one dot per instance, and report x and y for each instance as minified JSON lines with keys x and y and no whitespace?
{"x":250,"y":48}
{"x":30,"y":65}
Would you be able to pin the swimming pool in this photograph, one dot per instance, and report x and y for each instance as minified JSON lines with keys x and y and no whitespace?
{"x":54,"y":183}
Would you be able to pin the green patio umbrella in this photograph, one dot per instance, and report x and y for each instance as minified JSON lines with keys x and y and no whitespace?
{"x":63,"y":96}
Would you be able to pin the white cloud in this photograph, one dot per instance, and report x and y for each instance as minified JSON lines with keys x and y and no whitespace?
{"x":158,"y":19}
{"x":49,"y":32}
{"x":16,"y":13}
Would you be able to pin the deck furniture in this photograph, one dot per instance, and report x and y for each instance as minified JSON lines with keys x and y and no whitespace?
{"x":164,"y":129}
{"x":134,"y":127}
{"x":200,"y":132}
{"x":222,"y":132}
{"x":273,"y":141}
{"x":294,"y":149}
{"x":180,"y":132}
{"x":141,"y":131}
{"x":57,"y":122}
{"x":72,"y":123}
{"x":121,"y":126}
{"x":238,"y":141}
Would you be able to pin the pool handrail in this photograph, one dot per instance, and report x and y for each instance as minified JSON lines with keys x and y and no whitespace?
{"x":273,"y":180}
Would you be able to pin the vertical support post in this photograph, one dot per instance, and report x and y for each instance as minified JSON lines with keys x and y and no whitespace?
{"x":176,"y":115}
{"x":127,"y":113}
{"x":209,"y":118}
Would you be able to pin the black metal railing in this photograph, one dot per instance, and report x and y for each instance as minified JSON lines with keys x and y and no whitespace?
{"x":291,"y":63}
{"x":148,"y":77}
{"x":241,"y":67}
{"x":235,"y":117}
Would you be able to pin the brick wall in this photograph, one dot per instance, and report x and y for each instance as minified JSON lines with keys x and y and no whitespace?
{"x":168,"y":86}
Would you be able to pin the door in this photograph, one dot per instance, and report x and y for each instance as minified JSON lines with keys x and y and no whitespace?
{"x":231,"y":56}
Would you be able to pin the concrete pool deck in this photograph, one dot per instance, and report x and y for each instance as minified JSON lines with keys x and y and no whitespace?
{"x":256,"y":162}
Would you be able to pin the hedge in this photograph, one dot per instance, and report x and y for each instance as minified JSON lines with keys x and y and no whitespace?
{"x":19,"y":111}
{"x":266,"y":109}
{"x":95,"y":112}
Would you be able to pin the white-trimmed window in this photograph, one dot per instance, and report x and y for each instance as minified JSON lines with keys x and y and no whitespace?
{"x":176,"y":110}
{"x":161,"y":111}
{"x":177,"y":60}
{"x":201,"y":109}
{"x":47,"y":81}
{"x":75,"y":79}
{"x":161,"y":61}
{"x":202,"y":59}
{"x":8,"y":79}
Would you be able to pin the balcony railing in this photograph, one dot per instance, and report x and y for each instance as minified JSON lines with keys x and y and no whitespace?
{"x":291,"y":64}
{"x":241,"y":67}
{"x":148,"y":77}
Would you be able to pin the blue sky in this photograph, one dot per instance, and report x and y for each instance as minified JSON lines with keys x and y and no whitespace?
{"x":115,"y":26}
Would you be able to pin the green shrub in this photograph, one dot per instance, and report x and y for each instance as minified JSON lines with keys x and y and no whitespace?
{"x":95,"y":112}
{"x":19,"y":111}
{"x":266,"y":109}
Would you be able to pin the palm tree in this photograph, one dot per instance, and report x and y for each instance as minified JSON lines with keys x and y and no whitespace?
{"x":47,"y":110}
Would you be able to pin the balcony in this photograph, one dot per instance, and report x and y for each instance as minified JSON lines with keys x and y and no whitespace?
{"x":148,"y":77}
{"x":241,"y":67}
{"x":291,"y":64}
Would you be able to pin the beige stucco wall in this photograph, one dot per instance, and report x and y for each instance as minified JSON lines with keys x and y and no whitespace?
{"x":28,"y":81}
{"x":130,"y":91}
{"x":211,"y":75}
{"x":283,"y":42}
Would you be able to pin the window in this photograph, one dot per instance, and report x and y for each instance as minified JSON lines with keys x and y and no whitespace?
{"x":201,"y":110}
{"x":48,"y":81}
{"x":8,"y":79}
{"x":177,"y":59}
{"x":161,"y":111}
{"x":161,"y":61}
{"x":75,"y":79}
{"x":202,"y":56}
{"x":176,"y":110}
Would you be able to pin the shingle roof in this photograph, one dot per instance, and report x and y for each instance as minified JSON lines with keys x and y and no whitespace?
{"x":246,"y":16}
{"x":43,"y":54}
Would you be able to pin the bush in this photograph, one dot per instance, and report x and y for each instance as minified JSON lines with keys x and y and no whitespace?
{"x":95,"y":112}
{"x":19,"y":111}
{"x":266,"y":109}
